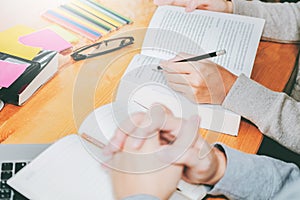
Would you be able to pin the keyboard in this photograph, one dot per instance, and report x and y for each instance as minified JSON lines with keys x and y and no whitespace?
{"x":8,"y":169}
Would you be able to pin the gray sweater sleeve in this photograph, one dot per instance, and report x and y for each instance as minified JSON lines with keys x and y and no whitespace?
{"x":275,"y":114}
{"x":282,"y":19}
{"x":250,"y":176}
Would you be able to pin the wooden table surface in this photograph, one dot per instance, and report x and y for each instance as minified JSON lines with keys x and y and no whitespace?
{"x":60,"y":106}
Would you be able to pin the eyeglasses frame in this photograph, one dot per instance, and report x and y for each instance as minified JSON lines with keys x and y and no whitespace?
{"x":77,"y":56}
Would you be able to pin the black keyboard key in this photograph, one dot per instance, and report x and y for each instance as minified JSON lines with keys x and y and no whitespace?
{"x":3,"y":185}
{"x":6,"y":175}
{"x":5,"y":193}
{"x":19,"y":166}
{"x":7,"y":166}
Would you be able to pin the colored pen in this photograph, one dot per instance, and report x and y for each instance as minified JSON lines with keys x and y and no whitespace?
{"x":201,"y":57}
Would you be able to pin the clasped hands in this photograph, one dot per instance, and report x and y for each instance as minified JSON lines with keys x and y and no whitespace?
{"x":177,"y":149}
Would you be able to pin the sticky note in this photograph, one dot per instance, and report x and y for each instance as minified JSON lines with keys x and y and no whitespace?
{"x":67,"y":35}
{"x":9,"y":42}
{"x":9,"y":72}
{"x":45,"y":39}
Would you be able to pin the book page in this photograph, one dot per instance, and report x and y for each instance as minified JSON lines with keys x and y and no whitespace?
{"x":172,"y":30}
{"x":64,"y":171}
{"x":142,"y":84}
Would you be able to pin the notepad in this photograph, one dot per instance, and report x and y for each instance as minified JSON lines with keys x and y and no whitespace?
{"x":9,"y":72}
{"x":9,"y":42}
{"x":45,"y":39}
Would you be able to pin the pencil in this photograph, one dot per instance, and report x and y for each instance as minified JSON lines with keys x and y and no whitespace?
{"x":93,"y":140}
{"x":201,"y":57}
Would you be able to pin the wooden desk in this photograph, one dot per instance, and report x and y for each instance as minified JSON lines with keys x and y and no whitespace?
{"x":59,"y":107}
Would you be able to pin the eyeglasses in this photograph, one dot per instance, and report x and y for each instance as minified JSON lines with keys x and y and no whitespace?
{"x":107,"y":46}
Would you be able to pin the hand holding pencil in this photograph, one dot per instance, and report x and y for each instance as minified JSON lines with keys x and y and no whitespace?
{"x":202,"y":82}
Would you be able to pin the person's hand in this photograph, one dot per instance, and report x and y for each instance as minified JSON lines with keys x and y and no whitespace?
{"x":140,"y":135}
{"x":181,"y":144}
{"x":190,"y":5}
{"x":203,"y":164}
{"x":136,"y":172}
{"x":201,"y":81}
{"x":139,"y":126}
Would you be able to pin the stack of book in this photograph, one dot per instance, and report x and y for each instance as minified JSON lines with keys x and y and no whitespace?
{"x":38,"y":71}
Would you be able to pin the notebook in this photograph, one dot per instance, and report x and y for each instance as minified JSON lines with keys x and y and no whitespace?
{"x":13,"y":157}
{"x":71,"y":167}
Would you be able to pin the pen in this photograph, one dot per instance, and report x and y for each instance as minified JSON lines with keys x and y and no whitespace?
{"x":201,"y":57}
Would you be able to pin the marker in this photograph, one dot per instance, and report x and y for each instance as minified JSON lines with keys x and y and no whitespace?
{"x":201,"y":57}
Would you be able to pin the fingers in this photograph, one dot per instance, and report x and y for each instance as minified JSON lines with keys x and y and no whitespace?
{"x":191,"y":80}
{"x":163,"y":2}
{"x":194,"y":153}
{"x":190,"y":92}
{"x":165,"y":138}
{"x":189,"y":4}
{"x":125,"y":128}
{"x":141,"y":126}
{"x":161,"y":121}
{"x":171,"y":2}
{"x":201,"y":82}
{"x":171,"y":66}
{"x":181,"y":151}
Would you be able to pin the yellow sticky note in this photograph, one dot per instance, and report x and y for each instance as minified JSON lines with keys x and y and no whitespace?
{"x":9,"y":42}
{"x":64,"y":33}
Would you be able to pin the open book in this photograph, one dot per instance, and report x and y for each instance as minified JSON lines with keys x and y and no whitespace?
{"x":171,"y":31}
{"x":71,"y":167}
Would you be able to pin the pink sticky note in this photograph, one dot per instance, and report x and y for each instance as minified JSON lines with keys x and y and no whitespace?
{"x":45,"y":39}
{"x":9,"y":72}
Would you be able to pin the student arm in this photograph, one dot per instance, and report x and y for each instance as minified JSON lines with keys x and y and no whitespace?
{"x":275,"y":114}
